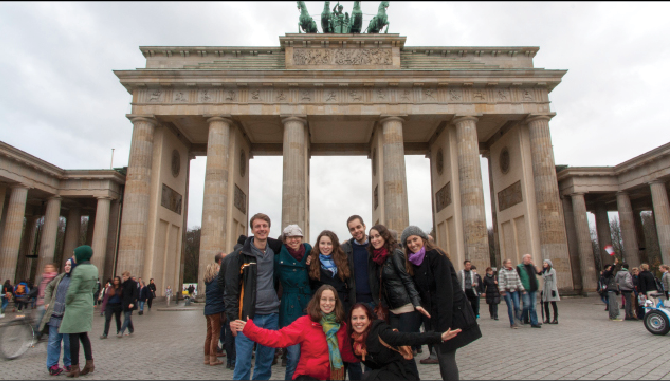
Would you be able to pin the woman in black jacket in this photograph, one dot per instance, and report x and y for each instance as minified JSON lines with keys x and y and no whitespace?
{"x":385,"y":350}
{"x":328,"y":265}
{"x":129,"y":297}
{"x":490,"y":287}
{"x":646,"y":281}
{"x":448,"y":307}
{"x":152,"y":293}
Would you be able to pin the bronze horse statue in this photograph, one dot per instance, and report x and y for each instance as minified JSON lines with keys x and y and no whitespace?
{"x":378,"y":22}
{"x":306,"y":23}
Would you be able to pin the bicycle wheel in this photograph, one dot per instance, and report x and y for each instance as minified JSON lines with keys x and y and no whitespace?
{"x":15,"y":339}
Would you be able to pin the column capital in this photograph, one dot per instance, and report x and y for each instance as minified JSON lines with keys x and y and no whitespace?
{"x":622,"y":193}
{"x":104,"y":198}
{"x":464,"y":118}
{"x":534,"y":117}
{"x":142,"y":118}
{"x":219,"y":118}
{"x":55,"y":197}
{"x":577,"y":194}
{"x":657,"y":181}
{"x":389,"y":118}
{"x":294,"y":118}
{"x":19,"y":186}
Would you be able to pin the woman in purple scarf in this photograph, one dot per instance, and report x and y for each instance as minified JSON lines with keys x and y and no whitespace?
{"x":435,"y":280}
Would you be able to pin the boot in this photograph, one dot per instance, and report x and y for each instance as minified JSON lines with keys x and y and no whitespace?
{"x":555,"y":320}
{"x":88,"y":368}
{"x":214,"y":361}
{"x":74,"y":371}
{"x":546,"y":321}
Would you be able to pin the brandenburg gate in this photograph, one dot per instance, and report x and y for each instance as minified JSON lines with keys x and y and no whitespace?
{"x":343,"y":94}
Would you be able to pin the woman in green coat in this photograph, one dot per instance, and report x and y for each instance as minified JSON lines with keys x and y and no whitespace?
{"x":79,"y":309}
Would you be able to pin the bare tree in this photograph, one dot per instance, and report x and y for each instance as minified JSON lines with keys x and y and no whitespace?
{"x":191,"y":255}
{"x":617,"y":242}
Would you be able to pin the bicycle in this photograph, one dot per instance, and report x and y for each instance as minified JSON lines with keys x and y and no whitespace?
{"x":16,"y":336}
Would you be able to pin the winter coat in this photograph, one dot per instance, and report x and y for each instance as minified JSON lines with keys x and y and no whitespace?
{"x":294,"y":279}
{"x":314,"y":361}
{"x":145,"y":294}
{"x":341,"y":286}
{"x":214,"y":303}
{"x":105,"y":299}
{"x":49,"y":299}
{"x":386,"y":363}
{"x":129,"y":295}
{"x":550,"y":288}
{"x":646,"y":282}
{"x":473,"y":277}
{"x":348,"y":248}
{"x":624,"y":279}
{"x":152,"y":288}
{"x":528,"y":278}
{"x":666,"y":280}
{"x":79,"y":299}
{"x":508,"y":281}
{"x":397,"y":285}
{"x":491,"y":289}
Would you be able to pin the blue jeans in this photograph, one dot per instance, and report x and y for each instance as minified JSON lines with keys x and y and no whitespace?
{"x":512,"y":299}
{"x":141,"y":306}
{"x":603,"y":298}
{"x":264,"y":355}
{"x":292,"y":357}
{"x":53,"y":348}
{"x":530,"y":305}
{"x":5,"y":302}
{"x":128,"y":322}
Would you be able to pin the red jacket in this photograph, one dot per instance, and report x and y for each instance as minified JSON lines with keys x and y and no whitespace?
{"x":313,"y":348}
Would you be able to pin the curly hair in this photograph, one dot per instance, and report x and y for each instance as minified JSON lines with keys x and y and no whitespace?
{"x":339,"y":257}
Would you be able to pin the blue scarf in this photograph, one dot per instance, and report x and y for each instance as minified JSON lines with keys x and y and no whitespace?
{"x":328,"y":263}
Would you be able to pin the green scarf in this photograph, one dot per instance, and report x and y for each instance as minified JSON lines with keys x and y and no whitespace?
{"x":330,"y":328}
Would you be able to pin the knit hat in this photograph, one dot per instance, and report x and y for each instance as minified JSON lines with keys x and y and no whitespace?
{"x":547,"y":261}
{"x":83,"y":254}
{"x":412,"y":230}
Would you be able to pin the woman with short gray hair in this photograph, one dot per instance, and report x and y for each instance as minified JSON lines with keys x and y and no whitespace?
{"x":550,"y":291}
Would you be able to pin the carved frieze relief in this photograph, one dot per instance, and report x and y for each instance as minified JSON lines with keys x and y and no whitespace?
{"x":170,"y":199}
{"x":317,"y":56}
{"x":510,"y":196}
{"x":240,"y":200}
{"x":443,"y":197}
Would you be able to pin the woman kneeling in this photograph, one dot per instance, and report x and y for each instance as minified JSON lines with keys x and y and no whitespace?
{"x":322,"y":335}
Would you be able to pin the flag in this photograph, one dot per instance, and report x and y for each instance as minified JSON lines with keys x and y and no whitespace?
{"x":609,"y":249}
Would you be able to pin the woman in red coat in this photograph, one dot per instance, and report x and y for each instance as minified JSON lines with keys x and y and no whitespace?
{"x":322,"y":335}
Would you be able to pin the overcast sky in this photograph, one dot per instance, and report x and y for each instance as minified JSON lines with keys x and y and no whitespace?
{"x":62,"y":103}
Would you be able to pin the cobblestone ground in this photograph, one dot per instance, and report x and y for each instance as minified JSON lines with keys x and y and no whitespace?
{"x":584,"y":345}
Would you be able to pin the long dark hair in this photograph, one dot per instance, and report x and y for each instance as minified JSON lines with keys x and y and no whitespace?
{"x":314,"y":305}
{"x":112,"y":288}
{"x":390,"y":242}
{"x":368,"y":313}
{"x":429,"y":246}
{"x":339,"y":257}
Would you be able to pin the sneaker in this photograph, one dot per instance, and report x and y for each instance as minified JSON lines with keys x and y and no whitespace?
{"x":496,"y":319}
{"x":127,"y":334}
{"x":67,"y":368}
{"x":55,"y":370}
{"x":103,"y":337}
{"x":477,"y":316}
{"x":535,"y":326}
{"x":119,"y":335}
{"x":617,"y":319}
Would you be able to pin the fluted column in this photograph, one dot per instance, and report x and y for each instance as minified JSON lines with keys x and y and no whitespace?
{"x":11,"y":237}
{"x":215,"y":197}
{"x":553,"y":241}
{"x":659,"y":197}
{"x":627,"y":225}
{"x":573,"y":243}
{"x":72,"y":230}
{"x":472,"y":192}
{"x":99,"y":244}
{"x":136,"y":197}
{"x":27,"y":246}
{"x":494,"y":217}
{"x":295,"y":203}
{"x":586,"y":262}
{"x":604,"y":233}
{"x":112,"y":238}
{"x":90,"y":229}
{"x":49,"y":230}
{"x":3,"y":195}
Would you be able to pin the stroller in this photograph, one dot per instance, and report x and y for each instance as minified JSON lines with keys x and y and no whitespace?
{"x":657,"y":316}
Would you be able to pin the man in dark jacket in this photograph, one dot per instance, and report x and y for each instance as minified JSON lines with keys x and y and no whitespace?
{"x":129,"y":296}
{"x":646,"y":281}
{"x":251,"y":293}
{"x":612,"y":290}
{"x":528,"y":274}
{"x":357,"y":256}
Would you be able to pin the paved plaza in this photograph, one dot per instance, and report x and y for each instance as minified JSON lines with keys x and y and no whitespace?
{"x":585,"y":345}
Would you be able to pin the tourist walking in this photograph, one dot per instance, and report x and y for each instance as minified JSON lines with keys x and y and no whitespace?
{"x":612,"y":290}
{"x":251,"y":293}
{"x":528,"y":275}
{"x":510,"y":287}
{"x":624,"y":281}
{"x":129,"y":296}
{"x":665,"y":279}
{"x":478,"y":289}
{"x":602,"y":290}
{"x":152,"y":293}
{"x":550,"y":291}
{"x":329,"y":265}
{"x":54,"y":305}
{"x":47,"y":276}
{"x":384,"y":350}
{"x":490,"y":288}
{"x":168,"y":295}
{"x":321,"y":334}
{"x":145,"y":293}
{"x":214,"y":306}
{"x":7,"y":293}
{"x":78,"y":314}
{"x":112,"y":305}
{"x":467,"y":282}
{"x":441,"y":296}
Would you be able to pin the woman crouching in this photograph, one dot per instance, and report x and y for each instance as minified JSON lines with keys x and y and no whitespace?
{"x":384,"y":349}
{"x":322,"y":335}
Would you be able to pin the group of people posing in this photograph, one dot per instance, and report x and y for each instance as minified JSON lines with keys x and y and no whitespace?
{"x":337,"y":308}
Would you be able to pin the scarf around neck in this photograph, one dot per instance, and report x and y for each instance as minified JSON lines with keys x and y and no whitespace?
{"x":328,"y":263}
{"x":379,"y":255}
{"x":330,"y":328}
{"x":297,"y":254}
{"x":359,"y":345}
{"x":417,"y":258}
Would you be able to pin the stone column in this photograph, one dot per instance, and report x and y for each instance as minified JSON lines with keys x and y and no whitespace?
{"x":3,"y":195}
{"x":586,"y":262}
{"x":215,"y":198}
{"x":628,"y":235}
{"x":295,"y":208}
{"x":49,"y":230}
{"x":604,"y":233}
{"x":11,"y":237}
{"x":494,"y":217}
{"x":573,"y":244}
{"x":136,"y":197}
{"x":659,"y":197}
{"x":99,"y":244}
{"x":641,"y":239}
{"x":553,"y":241}
{"x":112,"y":239}
{"x":72,"y":230}
{"x":27,"y":246}
{"x":472,"y":192}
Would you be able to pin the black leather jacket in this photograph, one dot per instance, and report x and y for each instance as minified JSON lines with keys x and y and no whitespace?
{"x":397,"y":285}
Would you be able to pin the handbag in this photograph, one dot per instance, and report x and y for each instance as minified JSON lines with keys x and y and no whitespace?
{"x":381,"y":312}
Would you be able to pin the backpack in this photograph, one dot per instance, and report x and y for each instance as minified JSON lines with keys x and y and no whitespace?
{"x":20,"y":289}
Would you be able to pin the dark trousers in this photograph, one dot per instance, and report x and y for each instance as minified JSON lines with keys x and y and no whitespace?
{"x":630,"y":304}
{"x":150,"y":301}
{"x":75,"y":338}
{"x":229,"y":344}
{"x":493,"y":310}
{"x":448,"y":367}
{"x":473,"y":299}
{"x":406,"y":322}
{"x":113,"y":309}
{"x":546,"y":310}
